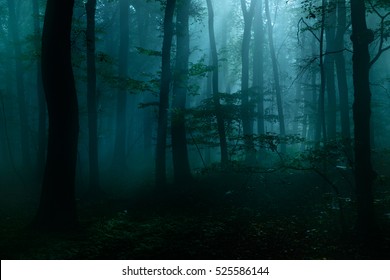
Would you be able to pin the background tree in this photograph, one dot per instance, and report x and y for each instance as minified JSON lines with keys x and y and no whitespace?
{"x":181,"y":166}
{"x":163,"y":106}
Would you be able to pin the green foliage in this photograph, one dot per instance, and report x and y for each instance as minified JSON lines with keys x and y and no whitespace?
{"x":148,"y":52}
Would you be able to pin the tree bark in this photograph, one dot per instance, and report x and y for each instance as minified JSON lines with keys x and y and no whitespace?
{"x":57,"y":209}
{"x":181,"y":165}
{"x":161,"y":176}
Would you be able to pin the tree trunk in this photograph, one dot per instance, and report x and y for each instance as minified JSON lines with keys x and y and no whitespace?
{"x":364,"y":174}
{"x":161,"y":176}
{"x":215,"y":86}
{"x":329,"y":64}
{"x":181,"y":165}
{"x":119,"y":160}
{"x":57,"y":209}
{"x":41,"y":98}
{"x":247,"y":109}
{"x":342,"y":76}
{"x":24,"y":127}
{"x":258,"y":65}
{"x":91,"y":99}
{"x":275,"y":69}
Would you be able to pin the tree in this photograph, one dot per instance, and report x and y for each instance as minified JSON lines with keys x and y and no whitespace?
{"x":275,"y":68}
{"x":119,"y":159}
{"x":91,"y":98}
{"x":258,"y":65}
{"x":57,"y":208}
{"x":215,"y":86}
{"x":247,"y":122}
{"x":364,"y":174}
{"x":161,"y":177}
{"x":24,"y":134}
{"x":41,"y":96}
{"x":181,"y":166}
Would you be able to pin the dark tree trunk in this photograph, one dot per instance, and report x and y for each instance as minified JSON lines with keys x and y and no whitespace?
{"x":342,"y":75}
{"x":24,"y":127}
{"x":91,"y":99}
{"x":215,"y":86}
{"x":247,"y":108}
{"x":364,"y":174}
{"x":57,"y":209}
{"x":161,"y":176}
{"x":275,"y":69}
{"x":181,"y":165}
{"x":321,"y":121}
{"x":119,"y":160}
{"x":329,"y":65}
{"x":258,"y":65}
{"x":41,"y":98}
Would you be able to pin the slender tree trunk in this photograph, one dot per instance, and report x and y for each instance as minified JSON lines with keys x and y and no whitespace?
{"x":321,"y":121}
{"x":41,"y":98}
{"x":329,"y":65}
{"x":181,"y":165}
{"x":275,"y":69}
{"x":161,"y":177}
{"x":258,"y":64}
{"x":247,"y":109}
{"x":91,"y":99}
{"x":24,"y":127}
{"x":119,"y":160}
{"x":57,"y":209}
{"x":342,"y":75}
{"x":364,"y":174}
{"x":215,"y":86}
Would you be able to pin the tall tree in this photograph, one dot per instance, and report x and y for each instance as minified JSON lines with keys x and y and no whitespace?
{"x":24,"y":128}
{"x":161,"y":176}
{"x":329,"y":66}
{"x":57,"y":208}
{"x":181,"y":165}
{"x":41,"y":96}
{"x":246,"y":113}
{"x":275,"y":68}
{"x":364,"y":174}
{"x":341,"y":70}
{"x":258,"y":64}
{"x":119,"y":159}
{"x":215,"y":85}
{"x":91,"y":98}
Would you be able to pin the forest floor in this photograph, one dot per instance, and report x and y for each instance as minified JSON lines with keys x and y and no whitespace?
{"x":285,"y":214}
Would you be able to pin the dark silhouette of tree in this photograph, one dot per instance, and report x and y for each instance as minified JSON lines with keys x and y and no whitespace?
{"x":181,"y":165}
{"x":119,"y":159}
{"x":258,"y":64}
{"x":57,"y":209}
{"x":161,"y":177}
{"x":275,"y":71}
{"x":215,"y":86}
{"x":20,"y":89}
{"x":364,"y":174}
{"x":41,"y":97}
{"x":91,"y":99}
{"x":247,"y":109}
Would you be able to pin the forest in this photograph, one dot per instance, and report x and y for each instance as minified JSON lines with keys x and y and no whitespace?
{"x":195,"y":129}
